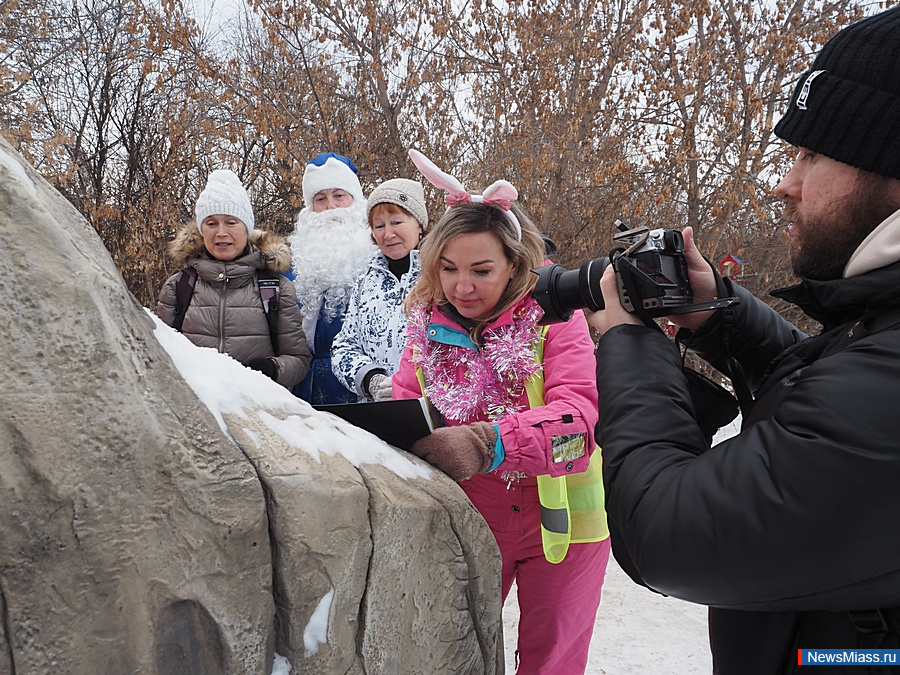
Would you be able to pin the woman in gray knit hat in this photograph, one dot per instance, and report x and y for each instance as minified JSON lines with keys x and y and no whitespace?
{"x":367,"y":350}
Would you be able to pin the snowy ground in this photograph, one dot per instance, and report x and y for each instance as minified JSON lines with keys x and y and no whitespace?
{"x":637,"y":631}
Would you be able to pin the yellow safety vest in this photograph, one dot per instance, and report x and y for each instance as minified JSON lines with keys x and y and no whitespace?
{"x":572,"y":506}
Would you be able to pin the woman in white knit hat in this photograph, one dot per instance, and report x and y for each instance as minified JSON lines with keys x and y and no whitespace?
{"x":230,"y":293}
{"x":367,"y":350}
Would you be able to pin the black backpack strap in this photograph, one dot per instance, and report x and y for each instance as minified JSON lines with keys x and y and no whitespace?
{"x":269,"y":294}
{"x":871,"y":626}
{"x":873,"y":322}
{"x":886,"y":321}
{"x":184,"y":290}
{"x":876,"y":628}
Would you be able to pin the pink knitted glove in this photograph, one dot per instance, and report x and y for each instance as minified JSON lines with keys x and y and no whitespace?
{"x":460,"y":452}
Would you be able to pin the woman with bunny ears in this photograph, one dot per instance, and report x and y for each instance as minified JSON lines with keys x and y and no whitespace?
{"x":519,"y":403}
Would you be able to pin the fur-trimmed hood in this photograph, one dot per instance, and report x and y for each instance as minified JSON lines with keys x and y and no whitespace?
{"x":188,"y":244}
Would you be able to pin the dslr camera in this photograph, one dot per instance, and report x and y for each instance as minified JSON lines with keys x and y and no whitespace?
{"x":651,"y":273}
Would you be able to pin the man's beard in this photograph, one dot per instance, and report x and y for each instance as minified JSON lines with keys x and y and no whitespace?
{"x":329,"y":251}
{"x":823,"y":244}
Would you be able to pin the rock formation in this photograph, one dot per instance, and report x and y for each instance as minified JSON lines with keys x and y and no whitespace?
{"x":145,"y":531}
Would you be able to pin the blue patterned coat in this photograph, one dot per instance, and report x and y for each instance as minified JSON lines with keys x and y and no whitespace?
{"x":374,"y":331}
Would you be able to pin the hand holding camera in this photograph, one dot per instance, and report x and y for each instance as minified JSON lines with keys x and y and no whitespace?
{"x":613,"y":314}
{"x":703,"y":283}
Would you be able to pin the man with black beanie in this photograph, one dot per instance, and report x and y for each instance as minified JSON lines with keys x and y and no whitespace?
{"x":789,"y":531}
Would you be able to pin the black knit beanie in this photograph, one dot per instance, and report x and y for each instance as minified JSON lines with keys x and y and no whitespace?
{"x":847,"y":107}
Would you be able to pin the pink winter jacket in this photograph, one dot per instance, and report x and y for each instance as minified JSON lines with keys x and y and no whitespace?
{"x":570,"y":395}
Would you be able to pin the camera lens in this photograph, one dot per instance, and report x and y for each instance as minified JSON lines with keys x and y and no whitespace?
{"x":560,"y":291}
{"x":589,"y":283}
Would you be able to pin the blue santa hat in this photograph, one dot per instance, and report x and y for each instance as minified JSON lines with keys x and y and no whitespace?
{"x":330,"y":171}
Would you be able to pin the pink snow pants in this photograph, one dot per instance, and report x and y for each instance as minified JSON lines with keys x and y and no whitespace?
{"x":557,"y":603}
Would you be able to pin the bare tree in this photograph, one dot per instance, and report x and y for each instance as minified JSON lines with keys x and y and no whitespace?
{"x":657,"y":114}
{"x":367,"y":76}
{"x":715,"y":81}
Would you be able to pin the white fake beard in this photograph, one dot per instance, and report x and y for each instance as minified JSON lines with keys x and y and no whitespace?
{"x":329,"y":251}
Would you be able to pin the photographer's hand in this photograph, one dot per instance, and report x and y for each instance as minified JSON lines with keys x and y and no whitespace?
{"x":703,"y":283}
{"x":614,"y":314}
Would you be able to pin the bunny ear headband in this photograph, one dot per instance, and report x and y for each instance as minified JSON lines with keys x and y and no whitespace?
{"x":500,"y":193}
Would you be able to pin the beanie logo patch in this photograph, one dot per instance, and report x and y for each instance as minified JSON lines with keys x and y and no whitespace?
{"x":804,"y":91}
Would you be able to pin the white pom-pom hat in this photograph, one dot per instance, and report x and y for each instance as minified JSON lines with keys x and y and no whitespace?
{"x":224,"y":195}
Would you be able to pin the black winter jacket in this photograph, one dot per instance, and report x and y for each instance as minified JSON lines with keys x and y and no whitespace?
{"x":788,"y":525}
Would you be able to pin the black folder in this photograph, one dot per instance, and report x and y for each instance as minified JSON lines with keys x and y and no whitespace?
{"x":398,"y":423}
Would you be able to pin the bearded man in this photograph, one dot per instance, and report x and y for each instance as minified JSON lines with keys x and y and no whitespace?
{"x":789,"y":530}
{"x":331,"y":247}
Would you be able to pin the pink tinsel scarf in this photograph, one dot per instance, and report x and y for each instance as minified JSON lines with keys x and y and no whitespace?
{"x":468,"y":384}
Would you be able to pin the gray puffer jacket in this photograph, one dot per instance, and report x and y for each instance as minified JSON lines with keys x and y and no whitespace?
{"x":226,"y":311}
